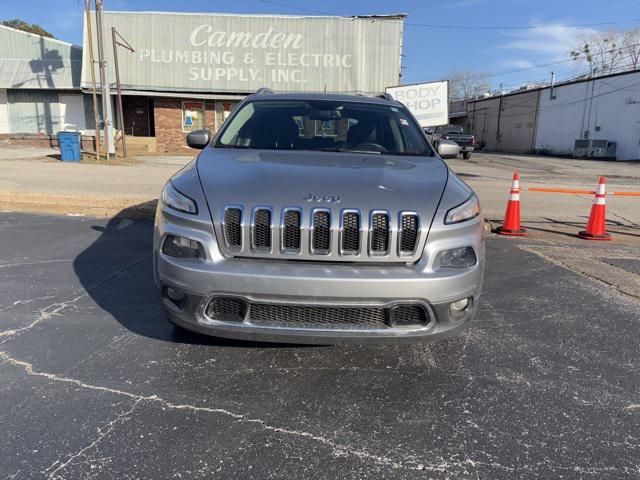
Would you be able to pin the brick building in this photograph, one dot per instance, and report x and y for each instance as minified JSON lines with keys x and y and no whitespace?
{"x":156,"y":123}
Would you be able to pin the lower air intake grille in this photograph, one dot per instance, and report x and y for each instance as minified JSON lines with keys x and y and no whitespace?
{"x":226,"y":309}
{"x":291,"y":231}
{"x":409,"y":315}
{"x":262,"y":229}
{"x":409,"y":233}
{"x":232,"y":309}
{"x":295,"y":316}
{"x":232,"y":227}
{"x":321,"y":238}
{"x":350,"y":242}
{"x":380,"y":233}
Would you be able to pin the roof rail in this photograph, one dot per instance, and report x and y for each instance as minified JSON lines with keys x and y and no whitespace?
{"x":386,"y":96}
{"x":264,"y":91}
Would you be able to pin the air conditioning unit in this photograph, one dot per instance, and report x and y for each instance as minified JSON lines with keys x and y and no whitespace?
{"x":591,"y":148}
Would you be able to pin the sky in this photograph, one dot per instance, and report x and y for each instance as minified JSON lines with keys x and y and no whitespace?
{"x":504,"y":38}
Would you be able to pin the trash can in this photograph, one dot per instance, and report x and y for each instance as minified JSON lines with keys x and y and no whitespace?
{"x":69,"y":143}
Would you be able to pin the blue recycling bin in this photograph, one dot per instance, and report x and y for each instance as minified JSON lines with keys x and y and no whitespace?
{"x":69,"y":143}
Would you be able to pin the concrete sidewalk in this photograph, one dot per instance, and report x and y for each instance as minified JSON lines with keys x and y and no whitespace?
{"x":47,"y":185}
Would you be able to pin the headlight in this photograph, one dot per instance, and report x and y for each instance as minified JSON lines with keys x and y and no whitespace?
{"x":466,"y":211}
{"x":172,"y":198}
{"x":462,"y":257}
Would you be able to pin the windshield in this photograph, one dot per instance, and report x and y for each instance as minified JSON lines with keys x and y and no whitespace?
{"x":324,"y":125}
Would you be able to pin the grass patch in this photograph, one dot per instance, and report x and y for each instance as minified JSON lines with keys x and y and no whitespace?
{"x":113,"y":160}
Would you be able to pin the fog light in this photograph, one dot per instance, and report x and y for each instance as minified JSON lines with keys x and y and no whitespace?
{"x":462,"y":257}
{"x":460,"y":305}
{"x":175,"y":295}
{"x":181,"y":247}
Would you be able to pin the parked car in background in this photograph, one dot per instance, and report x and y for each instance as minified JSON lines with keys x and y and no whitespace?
{"x":447,"y":148}
{"x":456,"y":134}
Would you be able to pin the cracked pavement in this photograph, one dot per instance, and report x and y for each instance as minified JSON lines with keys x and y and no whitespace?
{"x":94,"y":383}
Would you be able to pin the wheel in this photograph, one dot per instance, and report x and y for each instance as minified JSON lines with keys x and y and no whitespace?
{"x":466,"y":155}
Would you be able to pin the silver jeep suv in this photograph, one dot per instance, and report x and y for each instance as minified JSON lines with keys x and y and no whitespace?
{"x":316,"y":218}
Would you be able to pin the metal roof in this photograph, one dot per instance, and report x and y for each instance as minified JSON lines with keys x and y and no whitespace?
{"x":335,"y":97}
{"x":29,"y":61}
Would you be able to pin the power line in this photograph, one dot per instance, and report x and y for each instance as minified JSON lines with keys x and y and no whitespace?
{"x":464,"y":27}
{"x":561,"y":104}
{"x":542,"y":65}
{"x":300,"y":9}
{"x":518,"y":27}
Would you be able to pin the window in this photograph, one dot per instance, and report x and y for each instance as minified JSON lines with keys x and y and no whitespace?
{"x":192,"y":116}
{"x":327,"y":125}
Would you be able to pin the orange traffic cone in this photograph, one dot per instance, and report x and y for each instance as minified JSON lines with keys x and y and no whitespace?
{"x":511,"y":224}
{"x":596,"y":225}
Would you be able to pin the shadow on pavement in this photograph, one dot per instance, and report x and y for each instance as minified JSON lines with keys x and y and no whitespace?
{"x":116,"y":272}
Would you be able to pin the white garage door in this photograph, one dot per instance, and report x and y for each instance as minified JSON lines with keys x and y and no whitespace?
{"x":72,"y":112}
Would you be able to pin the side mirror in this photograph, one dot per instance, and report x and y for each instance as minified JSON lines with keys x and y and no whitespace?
{"x":199,"y":139}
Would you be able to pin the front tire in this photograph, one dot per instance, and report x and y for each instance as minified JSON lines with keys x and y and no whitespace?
{"x":466,"y":155}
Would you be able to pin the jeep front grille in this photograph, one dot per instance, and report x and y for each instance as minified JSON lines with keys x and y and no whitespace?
{"x":233,"y":227}
{"x":350,"y":233}
{"x":345,"y":234}
{"x":261,"y":228}
{"x":321,"y":232}
{"x":291,"y":230}
{"x":379,"y":234}
{"x":408,"y":233}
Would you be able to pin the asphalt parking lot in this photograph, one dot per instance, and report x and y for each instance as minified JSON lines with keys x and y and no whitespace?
{"x":94,"y":383}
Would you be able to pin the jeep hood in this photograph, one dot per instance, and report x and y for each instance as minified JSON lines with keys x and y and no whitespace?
{"x":347,"y":180}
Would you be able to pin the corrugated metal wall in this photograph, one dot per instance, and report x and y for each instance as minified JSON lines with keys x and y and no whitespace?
{"x":32,"y":111}
{"x":506,"y":124}
{"x":4,"y":113}
{"x":241,"y":53}
{"x":31,"y":61}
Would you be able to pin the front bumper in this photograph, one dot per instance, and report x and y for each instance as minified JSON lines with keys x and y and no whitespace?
{"x":318,"y":285}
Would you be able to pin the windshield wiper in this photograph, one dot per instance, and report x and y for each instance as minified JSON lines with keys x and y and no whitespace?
{"x":348,"y":150}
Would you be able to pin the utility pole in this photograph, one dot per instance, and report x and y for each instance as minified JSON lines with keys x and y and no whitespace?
{"x":96,"y":112}
{"x":500,"y":108}
{"x":104,"y":83}
{"x":553,"y":82}
{"x":126,"y":45}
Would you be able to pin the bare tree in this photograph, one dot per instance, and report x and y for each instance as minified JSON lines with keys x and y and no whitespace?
{"x":630,"y":47}
{"x":606,"y":52}
{"x":466,"y":84}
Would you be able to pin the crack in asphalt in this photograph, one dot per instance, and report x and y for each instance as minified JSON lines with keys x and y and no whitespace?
{"x":103,"y":431}
{"x":54,"y":309}
{"x":35,"y":262}
{"x":43,"y":314}
{"x":339,"y":450}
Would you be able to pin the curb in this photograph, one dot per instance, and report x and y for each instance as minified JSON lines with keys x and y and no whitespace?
{"x":89,"y":205}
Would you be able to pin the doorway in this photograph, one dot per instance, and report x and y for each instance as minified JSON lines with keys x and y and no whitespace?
{"x":138,"y":116}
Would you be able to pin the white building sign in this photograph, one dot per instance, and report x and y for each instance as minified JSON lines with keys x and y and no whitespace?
{"x":429,"y":102}
{"x":241,"y":53}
